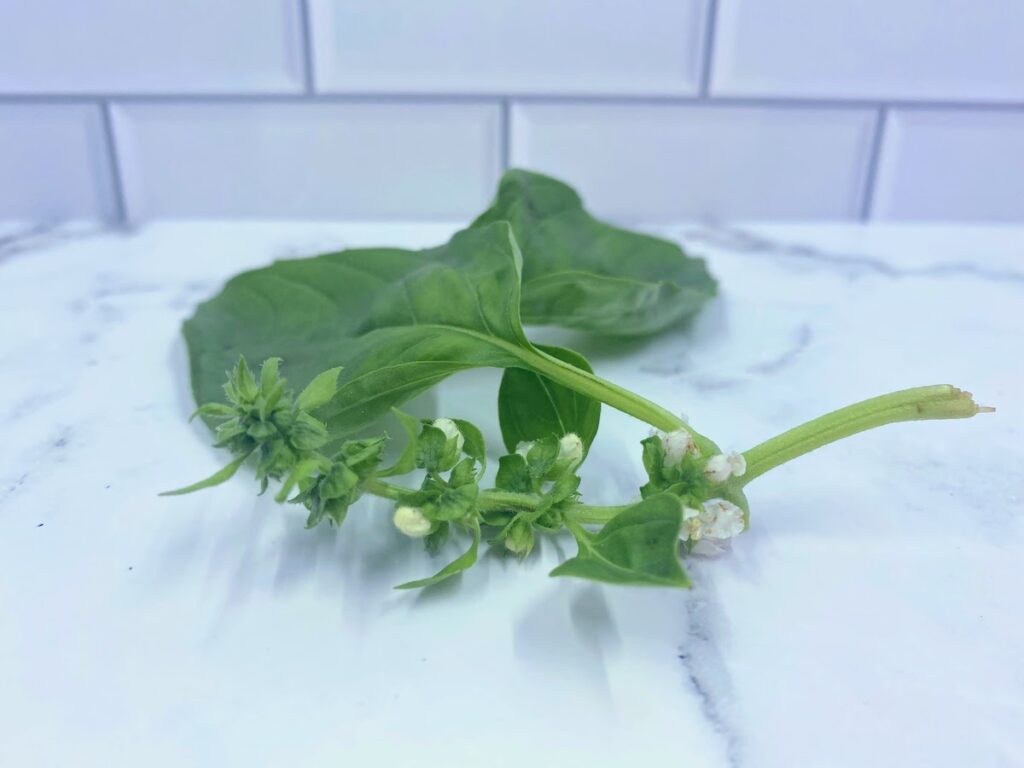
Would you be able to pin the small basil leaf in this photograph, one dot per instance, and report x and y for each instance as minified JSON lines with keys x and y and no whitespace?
{"x":220,"y":476}
{"x":213,"y":411}
{"x":639,"y":546}
{"x":363,"y":456}
{"x":531,"y":406}
{"x":431,"y":449}
{"x":454,"y":503}
{"x":319,"y":391}
{"x":513,"y":474}
{"x":463,"y":473}
{"x":461,"y":563}
{"x":473,"y":442}
{"x":542,"y":457}
{"x":407,"y":459}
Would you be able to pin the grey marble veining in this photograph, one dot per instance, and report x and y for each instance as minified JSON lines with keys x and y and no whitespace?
{"x":870,"y":615}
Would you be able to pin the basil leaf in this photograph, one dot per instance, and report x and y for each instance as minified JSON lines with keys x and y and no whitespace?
{"x":319,"y":391}
{"x":582,"y":273}
{"x":531,"y":406}
{"x":398,"y":322}
{"x":513,"y":474}
{"x":473,"y":442}
{"x":461,"y":563}
{"x":220,"y":476}
{"x":406,"y":461}
{"x":639,"y":546}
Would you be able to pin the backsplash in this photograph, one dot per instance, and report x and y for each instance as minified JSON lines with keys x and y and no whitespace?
{"x":130,"y":110}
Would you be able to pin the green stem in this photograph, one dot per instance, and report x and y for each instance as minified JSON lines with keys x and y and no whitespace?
{"x":603,"y":390}
{"x":920,"y":403}
{"x":494,"y":499}
{"x":386,"y":490}
{"x":595,"y":515}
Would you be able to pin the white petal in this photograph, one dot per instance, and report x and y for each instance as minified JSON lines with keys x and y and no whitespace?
{"x":570,"y":451}
{"x":738,"y":463}
{"x":677,"y":444}
{"x":709,"y":547}
{"x":718,"y":468}
{"x":721,"y":519}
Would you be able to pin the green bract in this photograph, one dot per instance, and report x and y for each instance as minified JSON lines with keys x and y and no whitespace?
{"x":365,"y":330}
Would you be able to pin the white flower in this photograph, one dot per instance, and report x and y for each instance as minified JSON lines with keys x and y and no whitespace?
{"x":451,"y":432}
{"x":738,"y":463}
{"x":524,"y":447}
{"x":721,"y":467}
{"x":411,"y":522}
{"x":691,"y":524}
{"x":717,"y":521}
{"x":570,"y":452}
{"x":721,"y":519}
{"x":677,"y":444}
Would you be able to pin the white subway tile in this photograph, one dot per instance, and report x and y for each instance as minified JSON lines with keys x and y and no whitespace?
{"x":952,"y":165}
{"x":54,"y":163}
{"x":911,"y":49}
{"x":162,"y":46}
{"x":663,"y":162}
{"x":492,"y":46}
{"x":307,"y":160}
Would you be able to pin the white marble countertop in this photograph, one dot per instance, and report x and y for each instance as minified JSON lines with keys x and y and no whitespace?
{"x":871,"y":616}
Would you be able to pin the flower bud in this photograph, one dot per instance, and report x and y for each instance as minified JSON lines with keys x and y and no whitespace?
{"x":411,"y":522}
{"x":570,"y":453}
{"x":524,"y":446}
{"x":677,"y":444}
{"x":454,"y":441}
{"x":717,"y":470}
{"x":519,"y":540}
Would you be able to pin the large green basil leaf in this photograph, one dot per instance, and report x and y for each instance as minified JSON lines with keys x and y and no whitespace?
{"x":396,"y":322}
{"x":639,"y":546}
{"x":582,"y":273}
{"x":531,"y":406}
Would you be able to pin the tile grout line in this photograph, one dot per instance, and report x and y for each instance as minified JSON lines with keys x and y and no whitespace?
{"x":707,"y":54}
{"x":505,"y":135}
{"x":874,"y":158}
{"x":306,"y":43}
{"x":114,"y":164}
{"x":780,"y":102}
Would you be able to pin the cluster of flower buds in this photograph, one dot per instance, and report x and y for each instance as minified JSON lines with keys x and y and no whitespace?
{"x":570,"y":454}
{"x":708,"y":521}
{"x":439,"y":502}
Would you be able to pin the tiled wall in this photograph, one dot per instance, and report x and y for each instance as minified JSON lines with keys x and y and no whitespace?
{"x":656,"y":109}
